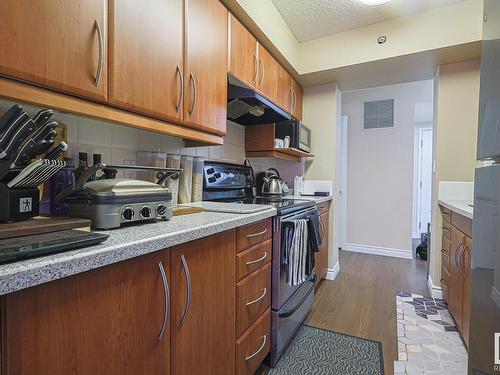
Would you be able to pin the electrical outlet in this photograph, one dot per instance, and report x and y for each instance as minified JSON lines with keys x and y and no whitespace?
{"x":129,"y":173}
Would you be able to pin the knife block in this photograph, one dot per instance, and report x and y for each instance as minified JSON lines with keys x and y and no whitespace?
{"x":18,"y":203}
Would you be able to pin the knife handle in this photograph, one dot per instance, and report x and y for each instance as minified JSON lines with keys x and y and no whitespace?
{"x":56,"y":151}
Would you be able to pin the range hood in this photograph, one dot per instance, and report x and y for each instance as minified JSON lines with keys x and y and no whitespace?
{"x":247,"y":107}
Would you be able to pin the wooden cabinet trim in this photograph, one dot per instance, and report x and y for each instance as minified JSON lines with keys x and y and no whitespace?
{"x":24,"y":92}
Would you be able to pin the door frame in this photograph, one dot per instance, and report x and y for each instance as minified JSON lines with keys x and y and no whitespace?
{"x":340,"y":209}
{"x":419,"y":136}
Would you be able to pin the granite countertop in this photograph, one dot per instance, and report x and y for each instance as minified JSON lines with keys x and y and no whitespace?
{"x":123,"y":243}
{"x":230,"y":208}
{"x":316,"y":199}
{"x":460,"y":207}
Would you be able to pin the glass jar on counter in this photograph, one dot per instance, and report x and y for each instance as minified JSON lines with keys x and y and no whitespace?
{"x":197,"y":185}
{"x":186,"y":179}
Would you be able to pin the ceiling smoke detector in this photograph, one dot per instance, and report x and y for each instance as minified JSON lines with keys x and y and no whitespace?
{"x":374,"y":2}
{"x":382,"y":39}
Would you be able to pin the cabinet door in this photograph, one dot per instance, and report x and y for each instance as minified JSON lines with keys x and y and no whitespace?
{"x":243,"y":62}
{"x":146,"y":56}
{"x":455,"y":287}
{"x":297,"y":100}
{"x":322,"y":255}
{"x":284,"y":96}
{"x":58,"y":44}
{"x":204,"y":304}
{"x":267,"y":82}
{"x":205,"y":75}
{"x":466,"y":272}
{"x":106,"y":321}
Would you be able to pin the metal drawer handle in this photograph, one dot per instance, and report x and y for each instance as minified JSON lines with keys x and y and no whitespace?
{"x":294,"y":106}
{"x":181,"y":94}
{"x":256,"y":68}
{"x":165,"y":291}
{"x":257,"y":260}
{"x":195,"y":93}
{"x":188,"y":286}
{"x":264,"y":340}
{"x":264,"y":291}
{"x":445,"y":228}
{"x":263,"y":72}
{"x":444,"y":251}
{"x":256,"y":234}
{"x":101,"y":54}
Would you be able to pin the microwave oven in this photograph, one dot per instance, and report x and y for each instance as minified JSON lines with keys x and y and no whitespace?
{"x":300,"y":135}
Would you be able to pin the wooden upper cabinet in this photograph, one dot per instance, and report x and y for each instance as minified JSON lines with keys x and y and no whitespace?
{"x":297,"y":100}
{"x":146,"y":56}
{"x":205,"y":75}
{"x":243,"y":60}
{"x":284,"y":97}
{"x":58,"y":44}
{"x":204,"y":305}
{"x":105,"y":321}
{"x":267,"y":81}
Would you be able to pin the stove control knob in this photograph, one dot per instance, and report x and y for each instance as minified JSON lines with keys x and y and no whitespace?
{"x":128,"y":214}
{"x":161,"y":210}
{"x":145,"y":212}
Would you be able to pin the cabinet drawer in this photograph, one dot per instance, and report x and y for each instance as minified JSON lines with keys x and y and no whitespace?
{"x":323,"y":207}
{"x":253,"y":346}
{"x":444,"y":290}
{"x":462,"y":223}
{"x":445,"y":213}
{"x":446,"y":230}
{"x":253,"y":297}
{"x":445,"y":253}
{"x":252,"y":259}
{"x":253,"y":234}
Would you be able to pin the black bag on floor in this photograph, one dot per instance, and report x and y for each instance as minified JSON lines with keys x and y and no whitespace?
{"x":421,"y":251}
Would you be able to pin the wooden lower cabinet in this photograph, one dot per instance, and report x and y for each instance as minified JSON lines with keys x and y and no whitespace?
{"x":203,"y":311}
{"x":456,"y":268}
{"x":254,"y":345}
{"x":107,"y":321}
{"x":321,"y":257}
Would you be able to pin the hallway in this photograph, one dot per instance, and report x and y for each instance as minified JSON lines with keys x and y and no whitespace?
{"x":361,"y":301}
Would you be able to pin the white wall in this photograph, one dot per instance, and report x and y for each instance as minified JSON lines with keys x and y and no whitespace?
{"x":380,"y":170}
{"x":456,"y":107}
{"x":322,"y":115}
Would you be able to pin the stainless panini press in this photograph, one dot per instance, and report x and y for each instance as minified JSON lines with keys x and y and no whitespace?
{"x":109,"y":203}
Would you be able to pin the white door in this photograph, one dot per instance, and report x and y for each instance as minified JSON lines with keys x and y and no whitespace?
{"x":342,"y":183}
{"x":425,"y":177}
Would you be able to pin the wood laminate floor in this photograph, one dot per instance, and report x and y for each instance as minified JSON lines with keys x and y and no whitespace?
{"x":361,"y":300}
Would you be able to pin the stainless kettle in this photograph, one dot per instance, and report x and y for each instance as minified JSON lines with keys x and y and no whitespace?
{"x":272,"y":183}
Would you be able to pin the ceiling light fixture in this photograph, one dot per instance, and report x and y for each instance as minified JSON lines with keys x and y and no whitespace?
{"x":374,"y":2}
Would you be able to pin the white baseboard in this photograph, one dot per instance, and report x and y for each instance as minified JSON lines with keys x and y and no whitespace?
{"x":434,"y":290}
{"x":332,"y":273}
{"x":375,"y":250}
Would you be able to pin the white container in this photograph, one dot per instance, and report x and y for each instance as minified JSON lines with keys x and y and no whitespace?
{"x":186,"y":179}
{"x":197,"y":185}
{"x":298,"y":185}
{"x":173,"y":161}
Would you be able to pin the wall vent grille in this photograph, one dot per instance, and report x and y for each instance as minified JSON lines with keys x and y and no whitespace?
{"x":379,"y":114}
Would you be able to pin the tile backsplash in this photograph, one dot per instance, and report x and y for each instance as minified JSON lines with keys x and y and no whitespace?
{"x":119,"y":144}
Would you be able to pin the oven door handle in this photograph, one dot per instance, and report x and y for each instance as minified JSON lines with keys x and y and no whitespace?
{"x":290,"y":312}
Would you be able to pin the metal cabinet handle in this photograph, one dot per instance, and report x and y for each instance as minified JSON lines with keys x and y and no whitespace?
{"x":461,"y":258}
{"x":256,"y":68}
{"x":101,"y":53}
{"x":294,"y":95}
{"x":165,"y":291}
{"x":457,"y":252}
{"x":264,"y":291}
{"x":322,"y":227}
{"x":195,"y":93}
{"x":188,"y":286}
{"x":257,"y":260}
{"x":181,"y":94}
{"x":264,"y":340}
{"x":263,"y":72}
{"x":291,"y":99}
{"x":256,"y":234}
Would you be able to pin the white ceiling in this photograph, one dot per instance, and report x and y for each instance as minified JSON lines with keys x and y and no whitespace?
{"x":311,"y":19}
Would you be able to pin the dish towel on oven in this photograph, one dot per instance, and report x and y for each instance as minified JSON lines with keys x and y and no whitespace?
{"x":297,"y":253}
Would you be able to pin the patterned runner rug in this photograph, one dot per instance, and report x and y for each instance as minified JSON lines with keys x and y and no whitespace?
{"x":428,"y":340}
{"x":322,"y":352}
